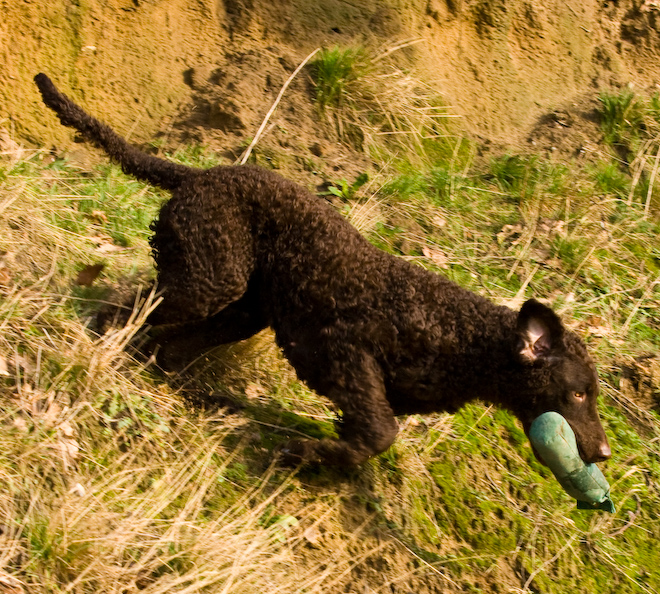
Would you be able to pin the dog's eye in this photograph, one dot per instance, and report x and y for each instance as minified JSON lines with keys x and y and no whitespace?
{"x":580,"y":396}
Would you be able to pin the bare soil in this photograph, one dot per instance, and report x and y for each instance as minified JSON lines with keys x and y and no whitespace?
{"x":523,"y":74}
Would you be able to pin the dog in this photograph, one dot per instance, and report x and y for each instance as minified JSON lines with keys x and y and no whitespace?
{"x":240,"y":248}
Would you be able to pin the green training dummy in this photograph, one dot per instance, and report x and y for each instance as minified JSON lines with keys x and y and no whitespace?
{"x":554,"y":440}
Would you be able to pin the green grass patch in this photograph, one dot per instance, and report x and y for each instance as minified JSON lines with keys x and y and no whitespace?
{"x":112,"y":480}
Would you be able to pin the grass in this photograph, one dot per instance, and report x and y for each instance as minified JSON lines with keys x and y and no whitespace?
{"x":378,"y":108}
{"x":631,"y":126}
{"x":113,"y":481}
{"x":336,"y":70}
{"x":622,"y":116}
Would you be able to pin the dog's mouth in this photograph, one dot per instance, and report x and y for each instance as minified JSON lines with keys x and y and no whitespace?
{"x":592,"y":450}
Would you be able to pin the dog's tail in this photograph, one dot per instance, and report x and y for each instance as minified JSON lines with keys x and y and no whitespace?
{"x":133,"y":161}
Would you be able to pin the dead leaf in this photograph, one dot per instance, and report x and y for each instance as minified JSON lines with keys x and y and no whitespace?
{"x":89,"y":274}
{"x":109,"y":248}
{"x":69,"y":449}
{"x":50,"y":415}
{"x":99,"y":239}
{"x":99,"y":216}
{"x":509,"y":231}
{"x":25,"y":364}
{"x":105,"y":244}
{"x":553,"y":263}
{"x":5,"y":277}
{"x":77,"y":489}
{"x":38,"y":405}
{"x":4,"y":367}
{"x":312,"y":535}
{"x":600,"y":331}
{"x":436,"y":256}
{"x":254,"y":390}
{"x":410,"y":421}
{"x":551,"y":227}
{"x":8,"y":146}
{"x":597,"y":326}
{"x":20,"y":424}
{"x":66,"y":429}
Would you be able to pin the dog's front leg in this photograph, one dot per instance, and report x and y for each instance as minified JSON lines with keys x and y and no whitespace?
{"x":368,"y":425}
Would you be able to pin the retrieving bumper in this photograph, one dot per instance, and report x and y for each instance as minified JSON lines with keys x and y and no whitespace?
{"x":554,"y":440}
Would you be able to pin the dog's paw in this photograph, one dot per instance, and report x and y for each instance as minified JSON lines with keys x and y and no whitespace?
{"x":298,"y":451}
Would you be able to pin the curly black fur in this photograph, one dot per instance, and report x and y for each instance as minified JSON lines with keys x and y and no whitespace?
{"x":238,"y":249}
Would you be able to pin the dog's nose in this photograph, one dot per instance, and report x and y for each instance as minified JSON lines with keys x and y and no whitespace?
{"x":604,"y":452}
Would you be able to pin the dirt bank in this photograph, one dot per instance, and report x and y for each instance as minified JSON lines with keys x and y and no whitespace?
{"x":151,"y":66}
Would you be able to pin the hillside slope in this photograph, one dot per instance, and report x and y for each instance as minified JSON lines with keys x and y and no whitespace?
{"x":117,"y":477}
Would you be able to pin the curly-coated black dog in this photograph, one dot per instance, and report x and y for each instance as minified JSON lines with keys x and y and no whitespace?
{"x":238,"y":249}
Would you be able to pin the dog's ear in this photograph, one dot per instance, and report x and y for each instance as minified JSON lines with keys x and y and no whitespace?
{"x":539,"y":331}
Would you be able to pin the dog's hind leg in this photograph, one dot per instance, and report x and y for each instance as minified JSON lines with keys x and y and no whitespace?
{"x":368,"y":426}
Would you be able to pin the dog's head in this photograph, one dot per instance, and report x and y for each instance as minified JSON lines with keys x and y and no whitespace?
{"x":554,"y":372}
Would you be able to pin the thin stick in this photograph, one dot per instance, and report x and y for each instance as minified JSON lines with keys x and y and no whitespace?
{"x":247,"y":152}
{"x":651,"y":182}
{"x":517,"y":300}
{"x":532,"y":234}
{"x":532,"y":575}
{"x":641,"y":300}
{"x":577,"y":270}
{"x":632,"y":516}
{"x":399,"y":46}
{"x":641,"y":160}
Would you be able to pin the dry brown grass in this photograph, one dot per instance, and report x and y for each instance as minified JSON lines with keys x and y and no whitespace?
{"x":111,"y":482}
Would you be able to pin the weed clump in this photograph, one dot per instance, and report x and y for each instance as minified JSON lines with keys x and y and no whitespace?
{"x":335,"y":71}
{"x":377,"y":107}
{"x":622,"y":117}
{"x":631,"y":125}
